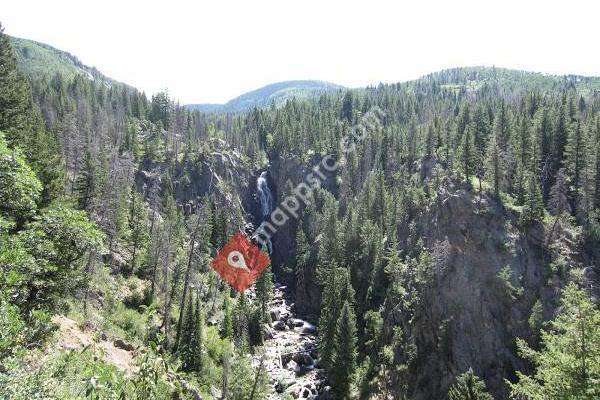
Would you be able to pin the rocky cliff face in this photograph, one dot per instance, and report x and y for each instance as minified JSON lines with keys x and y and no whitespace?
{"x":467,"y":315}
{"x":219,"y":171}
{"x":285,"y":175}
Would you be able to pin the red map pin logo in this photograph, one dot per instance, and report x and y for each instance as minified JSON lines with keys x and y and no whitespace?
{"x":240,"y":262}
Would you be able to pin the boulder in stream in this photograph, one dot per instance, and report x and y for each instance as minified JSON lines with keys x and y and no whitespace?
{"x":298,"y":323}
{"x":279,"y":325}
{"x":304,"y":359}
{"x":309,"y":329}
{"x":274,"y":313}
{"x":283,"y":384}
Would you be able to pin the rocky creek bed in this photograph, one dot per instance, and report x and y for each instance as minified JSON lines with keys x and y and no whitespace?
{"x":290,"y":353}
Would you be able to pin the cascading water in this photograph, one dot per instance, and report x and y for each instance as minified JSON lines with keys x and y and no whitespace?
{"x":266,"y":198}
{"x":291,"y":342}
{"x":266,"y":201}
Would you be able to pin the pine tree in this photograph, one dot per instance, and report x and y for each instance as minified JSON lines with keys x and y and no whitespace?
{"x":302,"y":251}
{"x":186,"y":345}
{"x":533,"y":209}
{"x":468,"y":386}
{"x":227,"y":324}
{"x":338,"y":289}
{"x":558,"y":201}
{"x":468,"y":155}
{"x":586,"y":193}
{"x":241,"y":323}
{"x":575,"y":157}
{"x":15,"y":104}
{"x":329,"y":244}
{"x":536,"y":318}
{"x":544,"y":145}
{"x":347,"y":107}
{"x":495,"y":170}
{"x":561,"y":133}
{"x":481,"y":129}
{"x":502,"y":127}
{"x":328,"y":319}
{"x":344,"y":365}
{"x":138,"y":227}
{"x":23,"y":125}
{"x":197,"y":339}
{"x":88,"y":183}
{"x":264,"y":293}
{"x":567,"y":366}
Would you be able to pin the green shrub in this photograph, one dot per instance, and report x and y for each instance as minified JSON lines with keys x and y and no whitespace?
{"x":505,"y":278}
{"x":130,"y":321}
{"x":11,"y":326}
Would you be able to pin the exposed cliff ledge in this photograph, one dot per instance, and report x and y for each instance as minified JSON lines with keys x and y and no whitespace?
{"x":466,"y":316}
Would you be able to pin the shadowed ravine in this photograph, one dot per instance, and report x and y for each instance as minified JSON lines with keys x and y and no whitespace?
{"x":290,"y":345}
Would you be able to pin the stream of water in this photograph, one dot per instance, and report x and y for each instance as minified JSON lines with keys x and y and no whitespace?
{"x":290,"y":347}
{"x":291,"y":343}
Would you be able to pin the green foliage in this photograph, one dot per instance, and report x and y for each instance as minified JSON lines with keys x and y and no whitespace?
{"x":495,"y":166}
{"x":277,"y":93}
{"x":138,"y":234}
{"x":246,"y":383}
{"x":130,"y":164}
{"x":43,"y":258}
{"x":241,"y":323}
{"x":11,"y":327}
{"x":337,"y":290}
{"x":344,"y":361}
{"x":373,"y":327}
{"x":468,"y":154}
{"x":468,"y":386}
{"x":131,"y":322}
{"x":19,"y":187}
{"x":156,"y":378}
{"x":88,"y":183}
{"x":14,"y":92}
{"x":264,"y":293}
{"x":42,"y":61}
{"x":192,"y":343}
{"x":505,"y":280}
{"x":62,"y":236}
{"x":227,"y":324}
{"x":533,"y":208}
{"x":67,"y":375}
{"x":536,"y":318}
{"x":568,"y":363}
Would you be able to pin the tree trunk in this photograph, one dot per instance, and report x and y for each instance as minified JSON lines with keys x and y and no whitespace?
{"x":186,"y":280}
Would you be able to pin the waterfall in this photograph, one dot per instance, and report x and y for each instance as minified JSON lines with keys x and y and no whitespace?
{"x":266,"y":198}
{"x":266,"y":201}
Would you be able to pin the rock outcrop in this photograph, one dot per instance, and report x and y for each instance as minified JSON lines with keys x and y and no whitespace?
{"x":464,"y":317}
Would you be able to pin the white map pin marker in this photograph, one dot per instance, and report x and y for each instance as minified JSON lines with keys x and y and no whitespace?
{"x":235,"y":259}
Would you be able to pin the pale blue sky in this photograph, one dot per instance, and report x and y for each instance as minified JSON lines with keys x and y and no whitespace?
{"x":211,"y":51}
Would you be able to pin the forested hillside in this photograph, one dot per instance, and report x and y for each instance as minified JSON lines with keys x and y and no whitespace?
{"x":41,"y":60}
{"x":274,"y":94}
{"x":452,"y":254}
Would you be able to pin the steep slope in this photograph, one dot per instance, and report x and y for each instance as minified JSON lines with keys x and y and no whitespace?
{"x":39,"y":60}
{"x":276,"y":93}
{"x":488,"y":271}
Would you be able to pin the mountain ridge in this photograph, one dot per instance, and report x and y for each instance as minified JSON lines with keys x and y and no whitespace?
{"x":40,"y":60}
{"x":275,"y":93}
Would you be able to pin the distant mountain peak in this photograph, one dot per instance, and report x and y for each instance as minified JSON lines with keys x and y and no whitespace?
{"x":275,"y":93}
